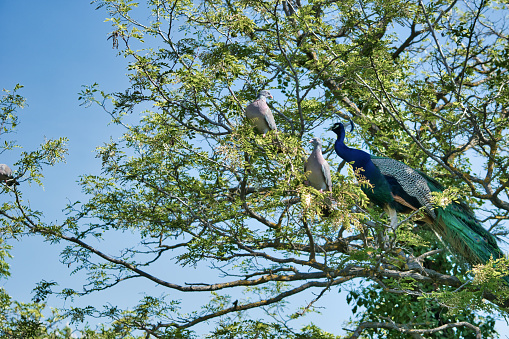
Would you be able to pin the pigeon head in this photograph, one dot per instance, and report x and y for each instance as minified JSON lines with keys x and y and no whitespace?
{"x":316,"y":142}
{"x":265,"y":93}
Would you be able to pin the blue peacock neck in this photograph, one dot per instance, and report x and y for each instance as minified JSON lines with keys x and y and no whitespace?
{"x":359,"y":158}
{"x":380,"y":193}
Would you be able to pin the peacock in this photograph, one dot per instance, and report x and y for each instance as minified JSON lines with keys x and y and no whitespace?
{"x":398,"y":188}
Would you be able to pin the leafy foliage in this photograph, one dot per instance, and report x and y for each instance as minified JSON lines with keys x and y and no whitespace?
{"x":191,"y":184}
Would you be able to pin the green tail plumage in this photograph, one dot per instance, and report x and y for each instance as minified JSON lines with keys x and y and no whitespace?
{"x":457,"y":225}
{"x":465,"y":235}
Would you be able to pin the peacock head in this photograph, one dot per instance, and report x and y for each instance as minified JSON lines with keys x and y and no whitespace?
{"x":339,"y":128}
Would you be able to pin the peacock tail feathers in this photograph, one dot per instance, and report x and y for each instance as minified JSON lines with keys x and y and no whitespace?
{"x":455,"y":224}
{"x":458,"y":226}
{"x":465,"y":235}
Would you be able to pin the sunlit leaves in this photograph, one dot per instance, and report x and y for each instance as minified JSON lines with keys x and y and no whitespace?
{"x":191,"y":183}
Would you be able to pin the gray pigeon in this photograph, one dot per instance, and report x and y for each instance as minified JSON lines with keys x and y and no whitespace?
{"x":259,"y":113}
{"x":319,"y":177}
{"x":6,"y":175}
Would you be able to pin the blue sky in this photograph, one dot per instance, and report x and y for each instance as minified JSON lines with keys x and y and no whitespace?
{"x":53,"y":48}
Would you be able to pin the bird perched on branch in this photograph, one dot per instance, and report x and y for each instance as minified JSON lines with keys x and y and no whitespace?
{"x":260,"y":114}
{"x":400,"y":188}
{"x":6,"y":175}
{"x":319,"y":175}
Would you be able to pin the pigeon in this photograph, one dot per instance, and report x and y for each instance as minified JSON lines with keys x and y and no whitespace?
{"x":6,"y":175}
{"x":259,"y":113}
{"x":319,"y":177}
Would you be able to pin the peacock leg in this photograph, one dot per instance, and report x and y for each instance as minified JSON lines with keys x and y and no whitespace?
{"x":393,"y":215}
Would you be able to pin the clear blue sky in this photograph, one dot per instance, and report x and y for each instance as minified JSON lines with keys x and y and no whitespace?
{"x":53,"y":48}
